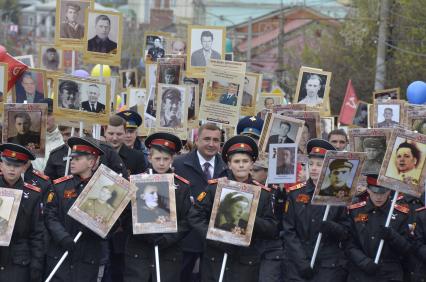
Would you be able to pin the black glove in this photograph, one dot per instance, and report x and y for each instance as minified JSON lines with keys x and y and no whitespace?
{"x":334,"y":230}
{"x":399,"y":242}
{"x":161,"y":242}
{"x":371,"y":268}
{"x":306,"y":271}
{"x":385,"y":233}
{"x":421,"y":253}
{"x":68,"y":244}
{"x":36,"y":275}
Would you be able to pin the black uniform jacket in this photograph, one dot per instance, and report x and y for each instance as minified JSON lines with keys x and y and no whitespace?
{"x":26,"y":246}
{"x":39,"y":179}
{"x":366,"y":222}
{"x":243,"y":262}
{"x":140,"y":248}
{"x":134,"y":160}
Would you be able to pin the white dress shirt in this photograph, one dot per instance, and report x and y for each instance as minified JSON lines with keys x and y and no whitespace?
{"x":203,"y":161}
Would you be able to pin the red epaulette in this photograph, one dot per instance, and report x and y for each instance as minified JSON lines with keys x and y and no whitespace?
{"x":296,"y":187}
{"x":400,"y":197}
{"x":32,"y":187}
{"x":421,"y":209}
{"x":182,"y":179}
{"x":357,"y":205}
{"x":262,"y":186}
{"x":41,"y":175}
{"x":62,"y":179}
{"x":402,"y":208}
{"x":212,"y":181}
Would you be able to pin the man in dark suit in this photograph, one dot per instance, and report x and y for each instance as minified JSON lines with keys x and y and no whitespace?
{"x":201,"y":57}
{"x":92,"y":105}
{"x":26,"y":90}
{"x":198,"y":167}
{"x":281,"y":137}
{"x":101,"y":43}
{"x":230,"y":98}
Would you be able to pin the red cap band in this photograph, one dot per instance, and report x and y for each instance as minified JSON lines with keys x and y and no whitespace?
{"x":240,"y":147}
{"x":164,"y":142}
{"x":372,"y":181}
{"x":15,"y":155}
{"x":85,"y":149}
{"x":318,"y":150}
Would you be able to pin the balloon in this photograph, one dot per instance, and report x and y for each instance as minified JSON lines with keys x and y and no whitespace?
{"x":118,"y":100}
{"x":416,"y":92}
{"x":96,"y":71}
{"x":81,"y":73}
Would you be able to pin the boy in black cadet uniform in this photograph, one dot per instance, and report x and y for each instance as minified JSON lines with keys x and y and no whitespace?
{"x":139,"y":259}
{"x":243,"y":262}
{"x":39,"y":179}
{"x":22,"y":260}
{"x":367,"y":229}
{"x":82,"y":263}
{"x":302,"y":222}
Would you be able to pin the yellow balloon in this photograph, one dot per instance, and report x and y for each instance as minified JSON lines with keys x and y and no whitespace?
{"x":96,"y":71}
{"x":118,"y":100}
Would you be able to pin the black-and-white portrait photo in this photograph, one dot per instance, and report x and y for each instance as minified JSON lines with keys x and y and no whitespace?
{"x":375,"y":149}
{"x":312,"y":87}
{"x":10,"y":200}
{"x":153,"y":202}
{"x":172,"y":111}
{"x":361,"y":115}
{"x":327,"y":125}
{"x":151,"y":103}
{"x":339,"y":177}
{"x":51,"y":58}
{"x":233,"y":212}
{"x":128,"y":78}
{"x":93,"y":98}
{"x":154,"y":47}
{"x":178,"y":46}
{"x":6,"y":204}
{"x":103,"y":32}
{"x":388,"y":115}
{"x":72,"y":19}
{"x":282,"y":163}
{"x":308,"y":132}
{"x":168,"y":73}
{"x":136,"y":98}
{"x":30,"y":87}
{"x":69,"y":95}
{"x":248,"y":92}
{"x":206,"y":43}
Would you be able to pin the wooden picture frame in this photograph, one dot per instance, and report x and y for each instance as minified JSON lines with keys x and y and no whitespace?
{"x":35,"y":80}
{"x":416,"y":118}
{"x":380,"y":107}
{"x":10,"y":200}
{"x":386,"y":94}
{"x":148,"y":43}
{"x":282,"y":163}
{"x":55,"y":64}
{"x":322,"y":92}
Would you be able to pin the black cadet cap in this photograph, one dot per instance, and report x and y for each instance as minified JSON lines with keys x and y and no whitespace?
{"x":373,"y":186}
{"x":240,"y":144}
{"x":318,"y":147}
{"x":83,"y":147}
{"x":15,"y":153}
{"x":132,"y":118}
{"x":251,"y":126}
{"x":164,"y":141}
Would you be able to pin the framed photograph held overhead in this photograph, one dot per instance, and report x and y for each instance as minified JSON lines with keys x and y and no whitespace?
{"x":10,"y":200}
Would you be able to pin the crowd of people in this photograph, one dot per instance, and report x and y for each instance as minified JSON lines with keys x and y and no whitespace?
{"x":285,"y":229}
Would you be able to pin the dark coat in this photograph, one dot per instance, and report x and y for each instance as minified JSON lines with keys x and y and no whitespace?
{"x":243,"y":262}
{"x":188,"y":166}
{"x":301,"y":224}
{"x":26,"y":249}
{"x":39,"y":179}
{"x":100,"y":108}
{"x":21,"y":96}
{"x":418,"y":267}
{"x":139,"y":254}
{"x":366,"y":222}
{"x":102,"y":46}
{"x":83,"y":263}
{"x":134,"y":160}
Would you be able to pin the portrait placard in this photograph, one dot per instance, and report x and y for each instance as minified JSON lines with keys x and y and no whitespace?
{"x":177,"y":47}
{"x":386,"y":94}
{"x":250,"y":93}
{"x":70,"y":22}
{"x":102,"y":201}
{"x":327,"y":125}
{"x":10,"y":200}
{"x":103,"y":37}
{"x":154,"y":204}
{"x":416,"y":118}
{"x":267,"y":102}
{"x":226,"y":225}
{"x":129,"y":78}
{"x":155,"y":45}
{"x":27,"y":60}
{"x":172,"y":109}
{"x":338,"y":178}
{"x":82,"y":99}
{"x":50,"y":57}
{"x":25,"y":125}
{"x":3,"y":83}
{"x":373,"y":142}
{"x":279,"y":129}
{"x":204,"y":40}
{"x":136,"y":98}
{"x":282,"y":163}
{"x":388,"y":114}
{"x":404,"y":168}
{"x":169,"y":70}
{"x":222,"y":95}
{"x":312,"y":87}
{"x":361,"y":115}
{"x":30,"y":87}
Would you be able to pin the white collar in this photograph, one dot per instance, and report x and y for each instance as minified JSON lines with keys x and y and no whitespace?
{"x":203,"y":160}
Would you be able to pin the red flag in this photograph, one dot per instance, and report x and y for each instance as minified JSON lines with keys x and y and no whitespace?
{"x":348,"y":110}
{"x":15,"y":67}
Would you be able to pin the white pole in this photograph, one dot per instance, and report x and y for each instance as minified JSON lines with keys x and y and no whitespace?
{"x":317,"y":244}
{"x":81,"y":129}
{"x":72,"y":61}
{"x":64,"y":256}
{"x":382,"y":242}
{"x":222,"y":270}
{"x":157,"y":255}
{"x":67,"y":165}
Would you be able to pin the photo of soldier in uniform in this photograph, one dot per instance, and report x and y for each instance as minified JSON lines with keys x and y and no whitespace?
{"x":25,"y":129}
{"x":233,"y":211}
{"x":375,"y":148}
{"x":153,"y":202}
{"x":388,"y":116}
{"x":282,"y":163}
{"x":155,"y":46}
{"x":99,"y":203}
{"x":69,"y":94}
{"x":361,"y":115}
{"x":51,"y":58}
{"x":72,"y":19}
{"x":172,"y":110}
{"x":339,"y":174}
